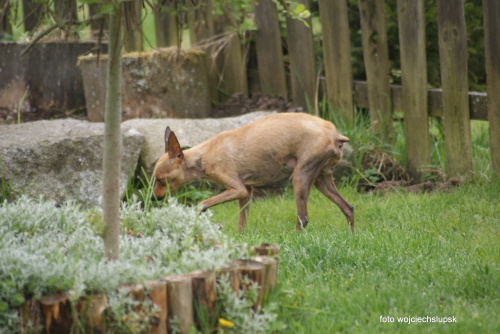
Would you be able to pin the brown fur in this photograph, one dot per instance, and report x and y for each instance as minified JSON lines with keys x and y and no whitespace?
{"x":256,"y":154}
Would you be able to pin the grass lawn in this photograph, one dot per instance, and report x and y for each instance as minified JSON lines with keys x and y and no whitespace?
{"x":412,"y":255}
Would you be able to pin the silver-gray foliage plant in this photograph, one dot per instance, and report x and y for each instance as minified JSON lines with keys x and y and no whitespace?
{"x":47,"y":249}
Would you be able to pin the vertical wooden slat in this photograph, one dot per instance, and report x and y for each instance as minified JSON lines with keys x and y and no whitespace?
{"x":166,"y":30}
{"x":269,"y":52}
{"x":5,"y":26}
{"x":32,"y":14}
{"x":337,"y":54}
{"x":302,"y":65}
{"x":491,"y":13}
{"x":453,"y":62}
{"x":133,"y":25}
{"x":201,"y":29}
{"x":411,"y":20}
{"x":230,"y":62}
{"x":95,"y":26}
{"x":376,"y":57}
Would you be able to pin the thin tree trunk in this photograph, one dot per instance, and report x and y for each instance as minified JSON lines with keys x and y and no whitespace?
{"x":112,"y":137}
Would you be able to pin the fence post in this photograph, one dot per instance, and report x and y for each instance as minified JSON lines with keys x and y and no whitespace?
{"x":269,"y":52}
{"x":5,"y":26}
{"x":230,"y":61}
{"x":491,"y":13}
{"x":133,"y":26}
{"x":453,"y":62}
{"x":201,"y":28}
{"x":302,"y":65}
{"x":32,"y":14}
{"x":411,"y":19}
{"x":166,"y":25}
{"x":376,"y":56}
{"x":337,"y":54}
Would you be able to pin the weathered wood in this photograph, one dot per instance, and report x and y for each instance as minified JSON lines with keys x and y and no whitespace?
{"x":158,"y":295}
{"x":202,"y":30}
{"x":252,"y":272}
{"x":302,"y":64}
{"x":95,"y":26}
{"x":477,"y":101}
{"x":411,"y":21}
{"x":66,"y":10}
{"x":91,"y":310}
{"x":270,"y":273}
{"x":265,"y":249}
{"x":56,"y":310}
{"x":5,"y":25}
{"x":491,"y":13}
{"x":180,"y":302}
{"x":453,"y":62}
{"x":376,"y":58}
{"x":232,"y":273}
{"x":204,"y":297}
{"x":269,"y":52}
{"x":166,"y":29}
{"x":135,"y":292}
{"x":337,"y":55}
{"x":30,"y":316}
{"x":32,"y":14}
{"x":133,"y":26}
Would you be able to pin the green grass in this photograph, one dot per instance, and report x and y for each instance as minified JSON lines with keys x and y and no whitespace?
{"x":411,"y":255}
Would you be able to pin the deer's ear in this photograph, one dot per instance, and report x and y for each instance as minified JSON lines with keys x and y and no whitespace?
{"x":167,"y":135}
{"x":172,"y":147}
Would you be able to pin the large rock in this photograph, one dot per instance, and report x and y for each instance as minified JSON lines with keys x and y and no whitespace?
{"x":61,"y":159}
{"x":192,"y":132}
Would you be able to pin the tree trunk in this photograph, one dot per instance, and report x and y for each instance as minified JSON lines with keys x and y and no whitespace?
{"x":112,"y":138}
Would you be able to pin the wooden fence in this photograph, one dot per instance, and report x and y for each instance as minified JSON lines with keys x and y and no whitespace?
{"x":453,"y":102}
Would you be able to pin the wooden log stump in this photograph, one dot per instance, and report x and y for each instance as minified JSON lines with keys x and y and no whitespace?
{"x":136,"y":292}
{"x":253,"y":271}
{"x":158,"y":295}
{"x":271,"y":250}
{"x":91,"y":308}
{"x":231,"y":271}
{"x":204,"y":297}
{"x":270,"y":272}
{"x":30,"y":314}
{"x":180,"y":302}
{"x":56,"y":310}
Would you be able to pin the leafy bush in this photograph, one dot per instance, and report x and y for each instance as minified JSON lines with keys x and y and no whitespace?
{"x":47,"y":249}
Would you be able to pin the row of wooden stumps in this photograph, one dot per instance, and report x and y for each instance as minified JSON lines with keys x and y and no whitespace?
{"x":188,"y":300}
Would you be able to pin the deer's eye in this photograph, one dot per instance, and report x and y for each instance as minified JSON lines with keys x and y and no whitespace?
{"x":160,"y":181}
